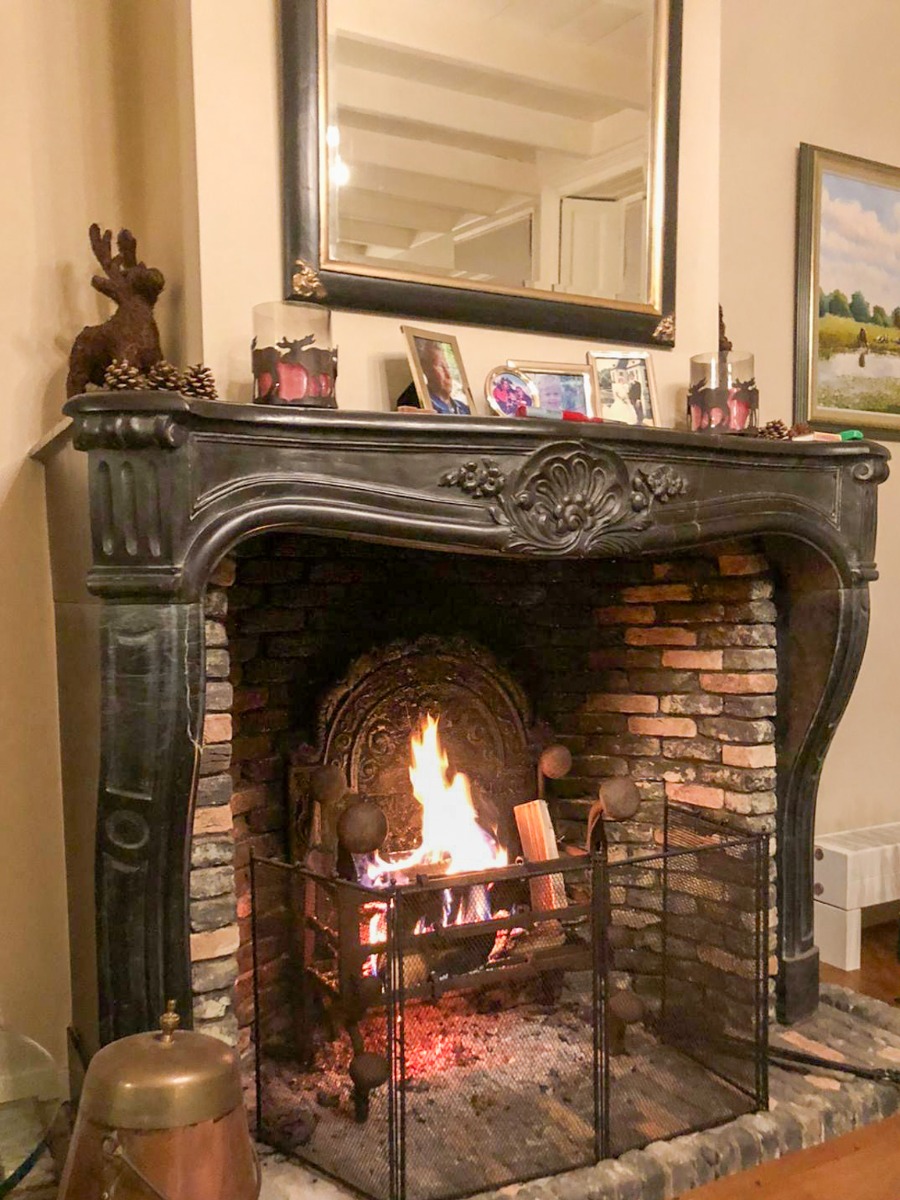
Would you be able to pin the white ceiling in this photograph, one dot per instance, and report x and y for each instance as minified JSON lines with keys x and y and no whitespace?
{"x":453,"y":113}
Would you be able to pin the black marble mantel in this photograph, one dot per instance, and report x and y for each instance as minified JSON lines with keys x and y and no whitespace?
{"x":174,"y":484}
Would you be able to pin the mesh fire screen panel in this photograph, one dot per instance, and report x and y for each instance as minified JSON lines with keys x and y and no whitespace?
{"x":458,"y":1033}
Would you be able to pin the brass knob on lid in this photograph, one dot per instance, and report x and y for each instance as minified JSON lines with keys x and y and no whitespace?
{"x":168,"y":1023}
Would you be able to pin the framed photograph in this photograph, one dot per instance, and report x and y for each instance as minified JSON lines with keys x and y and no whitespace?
{"x":847,"y":344}
{"x":437,"y":371}
{"x":510,"y":393}
{"x":623,"y":387}
{"x":561,"y":387}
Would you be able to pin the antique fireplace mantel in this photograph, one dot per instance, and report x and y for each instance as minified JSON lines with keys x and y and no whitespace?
{"x":175,"y":485}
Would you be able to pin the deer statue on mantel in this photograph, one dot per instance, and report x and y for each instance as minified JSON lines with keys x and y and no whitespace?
{"x":130,"y":334}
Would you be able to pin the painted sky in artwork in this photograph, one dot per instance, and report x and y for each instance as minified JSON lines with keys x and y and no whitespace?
{"x":859,"y":248}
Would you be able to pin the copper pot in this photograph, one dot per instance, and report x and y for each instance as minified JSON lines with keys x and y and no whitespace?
{"x":162,"y":1116}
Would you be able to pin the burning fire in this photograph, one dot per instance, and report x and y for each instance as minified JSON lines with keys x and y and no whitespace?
{"x":452,"y":839}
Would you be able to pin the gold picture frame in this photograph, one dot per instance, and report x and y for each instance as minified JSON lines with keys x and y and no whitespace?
{"x":847,"y":332}
{"x":624,"y":389}
{"x":556,"y":387}
{"x":438,"y":372}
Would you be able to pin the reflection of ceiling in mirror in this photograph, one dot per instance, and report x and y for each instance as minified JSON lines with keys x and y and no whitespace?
{"x":453,"y":120}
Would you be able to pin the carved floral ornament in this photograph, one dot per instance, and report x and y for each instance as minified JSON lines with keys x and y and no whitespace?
{"x":569,"y":498}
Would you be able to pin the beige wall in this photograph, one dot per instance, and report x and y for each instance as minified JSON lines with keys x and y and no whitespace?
{"x":812,"y":71}
{"x":94,"y":113}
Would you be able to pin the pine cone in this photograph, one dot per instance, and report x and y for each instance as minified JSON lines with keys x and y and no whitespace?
{"x":122,"y":376}
{"x":775,"y":431}
{"x":199,"y":382}
{"x":164,"y":377}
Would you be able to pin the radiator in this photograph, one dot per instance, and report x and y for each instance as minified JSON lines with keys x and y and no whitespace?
{"x":853,"y":870}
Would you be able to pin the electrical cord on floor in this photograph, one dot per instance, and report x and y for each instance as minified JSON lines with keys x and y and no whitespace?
{"x":796,"y":1060}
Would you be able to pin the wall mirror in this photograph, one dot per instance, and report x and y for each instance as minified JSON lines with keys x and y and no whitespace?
{"x":500,"y":162}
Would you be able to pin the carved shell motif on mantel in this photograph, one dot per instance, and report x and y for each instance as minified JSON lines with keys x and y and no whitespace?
{"x":569,"y":498}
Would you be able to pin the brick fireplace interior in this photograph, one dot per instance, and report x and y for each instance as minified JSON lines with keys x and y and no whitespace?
{"x":663,"y":671}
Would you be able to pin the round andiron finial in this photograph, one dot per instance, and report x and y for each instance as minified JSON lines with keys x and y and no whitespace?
{"x":624,"y":1009}
{"x":620,"y":799}
{"x":555,"y":762}
{"x":362,"y":826}
{"x":327,"y":784}
{"x":628,"y":1007}
{"x":368,"y":1071}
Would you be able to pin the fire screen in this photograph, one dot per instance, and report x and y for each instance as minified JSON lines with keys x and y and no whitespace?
{"x":435,"y":1038}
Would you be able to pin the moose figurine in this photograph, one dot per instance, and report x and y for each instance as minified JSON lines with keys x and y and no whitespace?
{"x":130,"y":334}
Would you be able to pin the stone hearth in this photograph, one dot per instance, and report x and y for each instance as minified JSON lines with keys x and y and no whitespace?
{"x":806,"y":1108}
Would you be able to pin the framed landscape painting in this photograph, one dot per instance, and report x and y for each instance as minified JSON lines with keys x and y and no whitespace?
{"x":847,"y":359}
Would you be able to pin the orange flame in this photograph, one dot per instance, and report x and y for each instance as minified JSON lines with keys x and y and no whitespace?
{"x":451,"y":838}
{"x":450,"y":831}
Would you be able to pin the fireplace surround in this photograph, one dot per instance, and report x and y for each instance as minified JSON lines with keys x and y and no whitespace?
{"x":177,"y":485}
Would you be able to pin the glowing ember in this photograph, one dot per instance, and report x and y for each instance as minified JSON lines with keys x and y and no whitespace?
{"x":452,"y":839}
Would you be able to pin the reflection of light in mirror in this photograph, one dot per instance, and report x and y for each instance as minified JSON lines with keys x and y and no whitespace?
{"x":333,"y":137}
{"x":340,"y":172}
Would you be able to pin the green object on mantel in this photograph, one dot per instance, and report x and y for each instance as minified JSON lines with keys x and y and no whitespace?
{"x":851,"y":435}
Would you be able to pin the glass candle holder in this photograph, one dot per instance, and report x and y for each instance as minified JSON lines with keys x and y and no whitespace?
{"x":294,"y":362}
{"x":723,"y":395}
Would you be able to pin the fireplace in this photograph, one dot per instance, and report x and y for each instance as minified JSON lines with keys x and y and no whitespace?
{"x":189,"y":499}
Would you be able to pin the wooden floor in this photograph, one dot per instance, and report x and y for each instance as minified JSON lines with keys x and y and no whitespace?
{"x":864,"y":1165}
{"x":879,"y":975}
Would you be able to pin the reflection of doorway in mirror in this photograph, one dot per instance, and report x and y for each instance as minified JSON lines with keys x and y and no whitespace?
{"x":602,"y":246}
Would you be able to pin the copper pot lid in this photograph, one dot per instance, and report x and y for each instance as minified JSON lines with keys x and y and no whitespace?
{"x":161,"y":1080}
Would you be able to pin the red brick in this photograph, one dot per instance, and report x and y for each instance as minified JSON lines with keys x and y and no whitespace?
{"x":653,"y":593}
{"x":693,"y":660}
{"x":684,"y":569}
{"x":215,"y":943}
{"x":695,"y":793}
{"x":216,"y":728}
{"x":678,"y":727}
{"x":748,"y":756}
{"x":612,"y":702}
{"x":749,"y":684}
{"x":742,"y":564}
{"x":625,"y":614}
{"x":688,"y":614}
{"x":660,"y":636}
{"x":247,"y":699}
{"x":215,"y":819}
{"x":246,"y":798}
{"x":257,"y":747}
{"x":623,"y":656}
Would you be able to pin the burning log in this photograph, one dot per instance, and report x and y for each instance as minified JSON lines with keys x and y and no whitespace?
{"x":538,"y":839}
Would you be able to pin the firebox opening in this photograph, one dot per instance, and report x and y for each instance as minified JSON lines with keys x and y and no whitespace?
{"x":321,"y":651}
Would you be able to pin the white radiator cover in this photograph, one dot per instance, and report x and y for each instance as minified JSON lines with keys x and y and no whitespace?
{"x":853,"y":870}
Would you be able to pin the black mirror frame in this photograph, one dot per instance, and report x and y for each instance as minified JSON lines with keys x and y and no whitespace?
{"x":307,"y":280}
